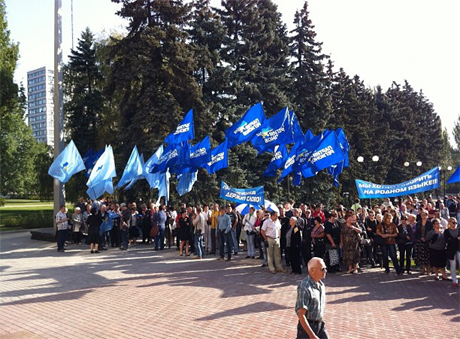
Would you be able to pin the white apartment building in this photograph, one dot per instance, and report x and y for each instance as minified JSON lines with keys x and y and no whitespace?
{"x":40,"y":112}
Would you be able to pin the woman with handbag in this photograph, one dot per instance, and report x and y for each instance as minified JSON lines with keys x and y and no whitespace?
{"x":249,"y":228}
{"x":404,"y":241}
{"x":349,"y":241}
{"x":389,"y":231}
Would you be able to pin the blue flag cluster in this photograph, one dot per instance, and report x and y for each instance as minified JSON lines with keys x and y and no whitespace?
{"x":308,"y":155}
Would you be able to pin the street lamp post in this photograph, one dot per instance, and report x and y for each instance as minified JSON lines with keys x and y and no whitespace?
{"x":361,"y":159}
{"x":443,"y":176}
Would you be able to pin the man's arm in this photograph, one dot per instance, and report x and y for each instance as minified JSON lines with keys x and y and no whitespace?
{"x":301,"y":314}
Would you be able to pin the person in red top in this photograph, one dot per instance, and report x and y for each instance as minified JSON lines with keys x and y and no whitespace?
{"x":318,"y":212}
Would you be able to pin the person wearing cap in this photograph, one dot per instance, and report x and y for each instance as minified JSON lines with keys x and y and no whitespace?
{"x":77,"y":220}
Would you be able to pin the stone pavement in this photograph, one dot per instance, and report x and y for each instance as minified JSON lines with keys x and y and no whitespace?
{"x":145,"y":294}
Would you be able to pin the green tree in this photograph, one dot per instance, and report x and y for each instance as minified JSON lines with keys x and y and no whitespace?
{"x":17,"y":145}
{"x":456,"y":133}
{"x":310,"y":88}
{"x":83,"y":91}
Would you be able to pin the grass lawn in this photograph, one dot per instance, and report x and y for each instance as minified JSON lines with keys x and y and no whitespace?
{"x":20,"y":214}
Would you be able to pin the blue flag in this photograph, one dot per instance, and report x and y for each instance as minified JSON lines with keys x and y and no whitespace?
{"x":244,"y":129}
{"x":253,"y":196}
{"x":67,"y":163}
{"x":133,"y":170}
{"x":96,"y":191}
{"x":279,"y":157}
{"x":219,"y":158}
{"x":320,"y":153}
{"x":90,"y":159}
{"x":455,"y":177}
{"x":426,"y":182}
{"x":185,"y":130}
{"x":104,"y":168}
{"x":153,"y":178}
{"x":200,"y":154}
{"x":336,"y":170}
{"x":309,"y":135}
{"x":163,"y":187}
{"x":170,"y":157}
{"x":296,"y":130}
{"x":290,"y":161}
{"x":186,"y":182}
{"x":275,"y":131}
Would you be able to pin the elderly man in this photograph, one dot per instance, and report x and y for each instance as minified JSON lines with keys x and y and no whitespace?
{"x":311,"y":300}
{"x":271,"y":231}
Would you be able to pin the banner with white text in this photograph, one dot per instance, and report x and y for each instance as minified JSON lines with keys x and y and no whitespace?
{"x":426,"y":182}
{"x":254,"y":196}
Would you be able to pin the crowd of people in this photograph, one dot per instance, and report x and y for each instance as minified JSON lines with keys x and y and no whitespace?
{"x":354,"y":238}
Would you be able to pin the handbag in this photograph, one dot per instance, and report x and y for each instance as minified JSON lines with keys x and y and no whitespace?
{"x":333,"y":257}
{"x":154,"y":231}
{"x":378,"y":240}
{"x":366,"y":242}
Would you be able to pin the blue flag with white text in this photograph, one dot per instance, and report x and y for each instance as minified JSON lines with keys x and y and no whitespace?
{"x":67,"y":163}
{"x":279,"y":157}
{"x":200,"y":153}
{"x":244,"y":129}
{"x":219,"y":158}
{"x":185,"y":130}
{"x":276,"y":130}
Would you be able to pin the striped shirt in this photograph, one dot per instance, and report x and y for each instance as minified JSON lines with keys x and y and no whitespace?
{"x":311,"y":296}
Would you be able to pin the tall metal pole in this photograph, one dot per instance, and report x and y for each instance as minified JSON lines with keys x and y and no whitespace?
{"x":58,"y":188}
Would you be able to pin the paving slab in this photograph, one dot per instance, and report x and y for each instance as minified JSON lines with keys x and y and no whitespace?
{"x":141,"y":293}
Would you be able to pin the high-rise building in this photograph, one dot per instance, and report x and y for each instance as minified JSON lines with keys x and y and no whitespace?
{"x":40,"y":109}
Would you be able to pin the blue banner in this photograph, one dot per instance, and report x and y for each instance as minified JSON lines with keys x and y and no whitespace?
{"x":244,"y":129}
{"x":67,"y":163}
{"x":219,"y":158}
{"x":279,"y":157}
{"x":185,"y":130}
{"x":254,"y":196}
{"x":427,"y":181}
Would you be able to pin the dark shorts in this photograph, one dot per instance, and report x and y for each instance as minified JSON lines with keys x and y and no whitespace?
{"x":319,"y":328}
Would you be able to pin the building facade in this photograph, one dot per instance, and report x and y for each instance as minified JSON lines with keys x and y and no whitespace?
{"x":40,"y":110}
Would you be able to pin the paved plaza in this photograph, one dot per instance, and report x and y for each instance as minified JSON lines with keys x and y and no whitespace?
{"x":145,"y":294}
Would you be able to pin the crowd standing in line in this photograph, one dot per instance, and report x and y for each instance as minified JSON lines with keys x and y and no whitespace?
{"x":423,"y":230}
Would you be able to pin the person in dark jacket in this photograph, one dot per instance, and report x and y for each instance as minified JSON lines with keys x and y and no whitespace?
{"x":452,"y":238}
{"x":94,"y":221}
{"x":294,"y":245}
{"x":404,"y":241}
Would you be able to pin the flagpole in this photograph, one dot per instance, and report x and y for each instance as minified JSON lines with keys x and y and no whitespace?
{"x":58,"y":188}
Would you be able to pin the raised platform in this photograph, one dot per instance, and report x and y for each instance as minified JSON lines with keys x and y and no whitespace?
{"x":44,"y":234}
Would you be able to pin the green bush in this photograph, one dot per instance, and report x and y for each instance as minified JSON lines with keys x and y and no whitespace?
{"x":2,"y":201}
{"x":36,"y":220}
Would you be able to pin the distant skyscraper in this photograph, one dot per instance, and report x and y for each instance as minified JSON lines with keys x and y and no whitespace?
{"x":40,"y":112}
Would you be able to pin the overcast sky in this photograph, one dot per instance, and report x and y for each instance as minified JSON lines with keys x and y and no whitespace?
{"x":381,"y":41}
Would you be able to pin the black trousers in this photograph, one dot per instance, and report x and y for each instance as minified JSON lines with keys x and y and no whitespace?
{"x":319,"y":328}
